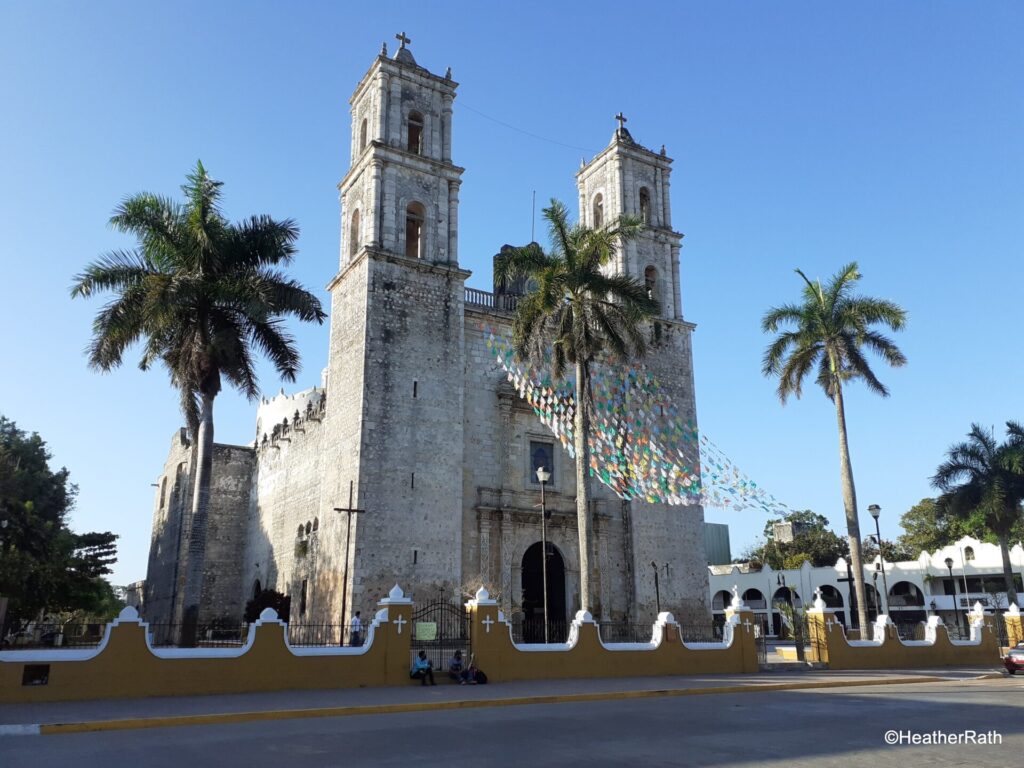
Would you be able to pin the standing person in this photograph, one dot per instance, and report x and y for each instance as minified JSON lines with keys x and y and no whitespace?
{"x":422,"y":669}
{"x":355,"y":632}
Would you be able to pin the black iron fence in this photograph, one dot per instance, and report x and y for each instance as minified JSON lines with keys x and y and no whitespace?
{"x":531,"y":631}
{"x":53,"y":636}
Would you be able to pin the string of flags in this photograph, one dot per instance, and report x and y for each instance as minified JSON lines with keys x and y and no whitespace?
{"x":640,"y":444}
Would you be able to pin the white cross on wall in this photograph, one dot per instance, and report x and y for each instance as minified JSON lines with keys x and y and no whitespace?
{"x":747,"y":624}
{"x":829,"y":624}
{"x":487,"y":623}
{"x":400,"y":622}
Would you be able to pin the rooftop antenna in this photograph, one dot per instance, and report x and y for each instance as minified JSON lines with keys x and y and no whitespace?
{"x":533,"y":216}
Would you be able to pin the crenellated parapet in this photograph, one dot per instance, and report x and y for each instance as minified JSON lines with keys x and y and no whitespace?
{"x":288,"y":417}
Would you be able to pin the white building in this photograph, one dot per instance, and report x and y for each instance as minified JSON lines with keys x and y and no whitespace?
{"x":946,"y":583}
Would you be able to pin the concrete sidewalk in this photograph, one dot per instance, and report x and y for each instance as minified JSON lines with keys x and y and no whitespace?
{"x":76,"y":716}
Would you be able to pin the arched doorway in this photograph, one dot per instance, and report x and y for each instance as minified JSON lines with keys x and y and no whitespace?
{"x":533,"y":596}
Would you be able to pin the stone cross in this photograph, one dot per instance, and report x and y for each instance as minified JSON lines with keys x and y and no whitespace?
{"x":487,"y":623}
{"x":400,"y":622}
{"x":402,"y":40}
{"x":622,"y":120}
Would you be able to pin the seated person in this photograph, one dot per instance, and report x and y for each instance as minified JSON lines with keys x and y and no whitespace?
{"x":422,"y":669}
{"x":455,"y":667}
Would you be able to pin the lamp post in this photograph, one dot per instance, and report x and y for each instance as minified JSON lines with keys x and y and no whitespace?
{"x":348,"y":546}
{"x":956,"y":612}
{"x":543,"y":475}
{"x":875,"y":511}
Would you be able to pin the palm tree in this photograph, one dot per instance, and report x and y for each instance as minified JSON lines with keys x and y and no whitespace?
{"x":983,"y":480}
{"x":829,"y":331}
{"x":576,"y":312}
{"x":202,"y":295}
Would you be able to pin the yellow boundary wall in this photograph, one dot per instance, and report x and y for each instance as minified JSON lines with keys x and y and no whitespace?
{"x":585,"y":655}
{"x":1014,"y":626}
{"x":124,"y":665}
{"x":828,"y":644}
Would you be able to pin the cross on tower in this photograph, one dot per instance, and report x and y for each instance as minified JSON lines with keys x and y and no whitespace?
{"x":402,"y":40}
{"x":622,"y":120}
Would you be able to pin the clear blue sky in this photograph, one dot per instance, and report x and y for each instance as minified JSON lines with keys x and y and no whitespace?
{"x":804,"y":135}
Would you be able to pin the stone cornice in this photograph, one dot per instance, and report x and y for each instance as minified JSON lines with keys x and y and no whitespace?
{"x":379,"y":151}
{"x":413,"y":72}
{"x":377,"y":254}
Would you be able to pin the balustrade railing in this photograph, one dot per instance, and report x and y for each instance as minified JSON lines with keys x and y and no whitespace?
{"x":504,"y":302}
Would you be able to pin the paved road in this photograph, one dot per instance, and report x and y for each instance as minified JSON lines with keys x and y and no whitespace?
{"x":830,"y":727}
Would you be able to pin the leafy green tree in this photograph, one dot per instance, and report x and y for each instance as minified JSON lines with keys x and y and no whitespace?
{"x":577,"y":312}
{"x":828,"y":334}
{"x":926,"y":529}
{"x":815,"y":543}
{"x":203,"y":296}
{"x":44,"y":566}
{"x":892,"y":551}
{"x":983,"y":480}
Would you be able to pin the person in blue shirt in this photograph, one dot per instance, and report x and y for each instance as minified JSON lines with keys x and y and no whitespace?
{"x":422,"y":669}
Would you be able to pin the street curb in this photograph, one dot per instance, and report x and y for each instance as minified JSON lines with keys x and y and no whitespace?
{"x":51,"y":729}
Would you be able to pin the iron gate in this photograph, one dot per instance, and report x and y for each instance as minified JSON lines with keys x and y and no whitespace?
{"x":440,"y":629}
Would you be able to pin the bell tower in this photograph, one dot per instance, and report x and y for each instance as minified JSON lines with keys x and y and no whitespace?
{"x":627,"y":178}
{"x":394,"y":414}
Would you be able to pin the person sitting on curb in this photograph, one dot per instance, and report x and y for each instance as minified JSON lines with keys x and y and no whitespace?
{"x":456,"y":669}
{"x":422,"y":670}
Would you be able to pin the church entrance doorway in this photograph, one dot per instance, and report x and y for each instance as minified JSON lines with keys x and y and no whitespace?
{"x":533,"y":596}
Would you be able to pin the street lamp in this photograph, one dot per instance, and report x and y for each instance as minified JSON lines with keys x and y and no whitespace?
{"x":544,"y":476}
{"x":956,"y":612}
{"x":657,"y":587}
{"x":875,"y":511}
{"x":349,"y":510}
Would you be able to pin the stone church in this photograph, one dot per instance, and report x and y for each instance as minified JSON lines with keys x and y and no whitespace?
{"x":414,"y":423}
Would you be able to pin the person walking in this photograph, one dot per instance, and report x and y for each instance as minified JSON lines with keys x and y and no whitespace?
{"x":355,"y":630}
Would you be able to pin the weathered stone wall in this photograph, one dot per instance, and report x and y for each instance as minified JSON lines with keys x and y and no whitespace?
{"x":411,"y":455}
{"x":172,"y":505}
{"x":286,"y":497}
{"x":230,"y":485}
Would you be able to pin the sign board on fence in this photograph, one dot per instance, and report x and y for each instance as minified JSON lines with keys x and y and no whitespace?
{"x":425,"y":630}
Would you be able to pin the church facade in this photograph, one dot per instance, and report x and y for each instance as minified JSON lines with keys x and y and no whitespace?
{"x":414,"y":459}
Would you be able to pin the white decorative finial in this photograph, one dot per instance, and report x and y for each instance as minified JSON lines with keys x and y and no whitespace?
{"x":1013,"y":610}
{"x":737,"y":602}
{"x":396,"y":593}
{"x":483,"y":594}
{"x":819,"y":600}
{"x":978,"y":609}
{"x":128,"y":613}
{"x":268,"y":614}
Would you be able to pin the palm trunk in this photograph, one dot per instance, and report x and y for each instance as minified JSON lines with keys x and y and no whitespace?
{"x":1011,"y":588}
{"x":852,"y":521}
{"x":195,"y":556}
{"x":581,"y":429}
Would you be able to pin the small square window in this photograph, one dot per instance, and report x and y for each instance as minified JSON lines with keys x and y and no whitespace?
{"x":542,"y":455}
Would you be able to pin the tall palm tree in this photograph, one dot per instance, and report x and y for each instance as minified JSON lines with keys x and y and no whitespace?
{"x":828,"y":333}
{"x":202,"y":295}
{"x":983,"y":479}
{"x":576,"y":312}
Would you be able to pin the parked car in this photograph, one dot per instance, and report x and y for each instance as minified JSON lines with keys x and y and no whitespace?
{"x":1014,"y":660}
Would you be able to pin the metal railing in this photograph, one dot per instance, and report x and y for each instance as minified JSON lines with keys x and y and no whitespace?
{"x":52,"y":636}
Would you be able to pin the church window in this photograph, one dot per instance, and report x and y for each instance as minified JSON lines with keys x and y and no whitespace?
{"x":645,"y":205}
{"x":163,"y":492}
{"x":968,"y":553}
{"x":302,"y":598}
{"x":256,"y":589}
{"x":651,"y":282}
{"x":412,"y":480}
{"x":541,"y":455}
{"x":309,"y":527}
{"x":598,"y":211}
{"x":353,"y":234}
{"x":362,"y":135}
{"x":414,"y":216}
{"x":415,"y":387}
{"x":302,"y":530}
{"x":414,"y":140}
{"x":316,"y":523}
